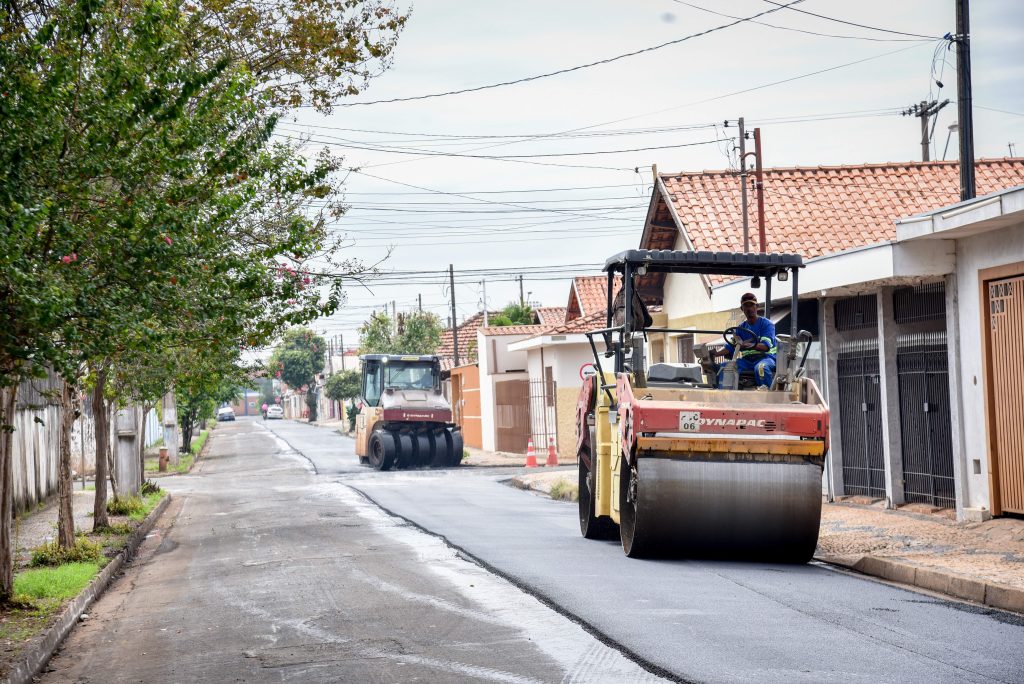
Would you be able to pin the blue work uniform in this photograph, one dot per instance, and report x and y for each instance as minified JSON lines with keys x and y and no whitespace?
{"x":761,"y":363}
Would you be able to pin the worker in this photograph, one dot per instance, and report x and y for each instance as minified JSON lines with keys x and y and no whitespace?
{"x":758,"y":347}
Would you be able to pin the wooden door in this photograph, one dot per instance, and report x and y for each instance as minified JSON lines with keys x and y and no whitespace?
{"x":1006,"y":391}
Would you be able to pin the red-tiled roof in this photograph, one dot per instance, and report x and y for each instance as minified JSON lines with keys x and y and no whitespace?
{"x":592,"y":321}
{"x":587,"y":295}
{"x":550,"y":315}
{"x":467,"y":341}
{"x":494,"y":331}
{"x":818,"y":210}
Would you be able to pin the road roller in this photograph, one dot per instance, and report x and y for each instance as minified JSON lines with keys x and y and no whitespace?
{"x":695,"y":459}
{"x":405,"y":420}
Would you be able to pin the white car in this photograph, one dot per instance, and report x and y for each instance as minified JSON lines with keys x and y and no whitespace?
{"x":225,"y":413}
{"x":275,"y":412}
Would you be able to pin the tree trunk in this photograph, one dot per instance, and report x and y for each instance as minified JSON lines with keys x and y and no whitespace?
{"x":311,"y":403}
{"x":65,"y":503}
{"x":188,"y":425}
{"x":99,"y":410}
{"x":8,"y":397}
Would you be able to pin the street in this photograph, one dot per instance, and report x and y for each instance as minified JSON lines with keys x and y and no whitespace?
{"x":275,"y":563}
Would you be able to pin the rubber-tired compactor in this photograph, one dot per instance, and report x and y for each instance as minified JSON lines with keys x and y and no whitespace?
{"x":405,"y":421}
{"x":670,"y":463}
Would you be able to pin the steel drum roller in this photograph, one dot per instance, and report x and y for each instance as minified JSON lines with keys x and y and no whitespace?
{"x":698,"y":508}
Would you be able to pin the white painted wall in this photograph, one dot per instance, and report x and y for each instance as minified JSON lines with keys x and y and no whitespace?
{"x":997,"y":248}
{"x":496,"y":363}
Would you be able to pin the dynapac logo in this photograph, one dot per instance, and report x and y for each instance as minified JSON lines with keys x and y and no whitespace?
{"x":732,"y":422}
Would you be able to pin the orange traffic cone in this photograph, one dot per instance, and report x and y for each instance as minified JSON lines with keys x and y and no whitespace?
{"x":552,"y":453}
{"x":531,"y":455}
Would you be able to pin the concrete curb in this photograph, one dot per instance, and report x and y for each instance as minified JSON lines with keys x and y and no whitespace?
{"x":31,"y":662}
{"x":957,"y":586}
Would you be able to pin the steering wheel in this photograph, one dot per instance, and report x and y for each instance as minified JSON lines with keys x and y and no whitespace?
{"x":733,"y":339}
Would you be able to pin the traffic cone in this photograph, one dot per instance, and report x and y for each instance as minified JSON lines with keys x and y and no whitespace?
{"x":531,"y":455}
{"x":552,"y":453}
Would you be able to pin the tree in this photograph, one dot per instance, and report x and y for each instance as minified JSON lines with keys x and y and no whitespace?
{"x":298,"y":359}
{"x":514,"y":314}
{"x":343,"y":385}
{"x":415,"y":333}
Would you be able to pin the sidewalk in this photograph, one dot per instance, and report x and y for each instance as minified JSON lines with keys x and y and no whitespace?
{"x":982,"y":562}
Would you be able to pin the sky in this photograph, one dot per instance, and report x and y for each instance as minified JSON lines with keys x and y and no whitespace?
{"x":536,"y":176}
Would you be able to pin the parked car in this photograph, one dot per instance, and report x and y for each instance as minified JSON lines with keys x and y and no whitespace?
{"x":275,"y":412}
{"x":225,"y":413}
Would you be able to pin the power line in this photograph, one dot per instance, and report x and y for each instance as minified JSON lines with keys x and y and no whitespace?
{"x":848,"y":23}
{"x":798,"y":30}
{"x":567,"y":70}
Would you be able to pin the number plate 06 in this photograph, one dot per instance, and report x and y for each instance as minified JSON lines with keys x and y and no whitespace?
{"x":689,"y":421}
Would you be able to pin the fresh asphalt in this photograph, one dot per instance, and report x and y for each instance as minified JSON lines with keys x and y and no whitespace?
{"x":690,"y":620}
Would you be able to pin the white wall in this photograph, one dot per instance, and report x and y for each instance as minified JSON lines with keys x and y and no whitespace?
{"x":997,"y":248}
{"x":496,"y":364}
{"x":685,"y":293}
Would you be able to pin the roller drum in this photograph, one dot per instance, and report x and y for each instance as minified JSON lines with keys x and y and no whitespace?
{"x":697,"y":508}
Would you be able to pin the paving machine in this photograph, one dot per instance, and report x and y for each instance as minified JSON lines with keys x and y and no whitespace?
{"x":671,"y":464}
{"x":405,"y":421}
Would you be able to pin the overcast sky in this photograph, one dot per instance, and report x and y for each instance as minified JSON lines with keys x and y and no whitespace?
{"x":563,"y":214}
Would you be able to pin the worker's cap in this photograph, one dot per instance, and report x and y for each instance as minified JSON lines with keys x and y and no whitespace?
{"x":748,"y":297}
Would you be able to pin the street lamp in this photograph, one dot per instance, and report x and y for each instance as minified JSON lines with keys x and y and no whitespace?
{"x":953,"y":128}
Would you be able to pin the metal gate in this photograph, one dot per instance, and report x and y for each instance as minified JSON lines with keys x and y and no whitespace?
{"x":543,"y":415}
{"x":512,"y":415}
{"x":1006,"y":389}
{"x":861,"y":418}
{"x":922,"y":362}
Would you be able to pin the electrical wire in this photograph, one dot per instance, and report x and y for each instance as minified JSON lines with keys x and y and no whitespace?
{"x":567,"y":70}
{"x":797,"y":30}
{"x":788,"y":6}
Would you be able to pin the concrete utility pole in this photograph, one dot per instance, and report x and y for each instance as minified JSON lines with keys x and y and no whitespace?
{"x":1011,"y":146}
{"x":455,"y":326}
{"x":483,"y":283}
{"x":759,"y":186}
{"x":743,"y":186}
{"x":522,"y":300}
{"x":171,"y":427}
{"x":965,"y":107}
{"x":926,"y":111}
{"x":419,"y":302}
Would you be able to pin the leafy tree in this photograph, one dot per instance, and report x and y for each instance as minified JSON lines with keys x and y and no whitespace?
{"x":343,"y":385}
{"x":514,"y":314}
{"x":415,"y":333}
{"x":297,"y":360}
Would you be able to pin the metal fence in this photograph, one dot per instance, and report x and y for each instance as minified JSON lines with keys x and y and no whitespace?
{"x":543,"y":414}
{"x":922,"y":366}
{"x":861,"y":418}
{"x":921,"y":303}
{"x":853,"y":313}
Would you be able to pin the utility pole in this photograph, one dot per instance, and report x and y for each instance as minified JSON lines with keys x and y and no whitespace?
{"x":455,"y":326}
{"x":394,"y":318}
{"x":419,"y":300}
{"x":341,"y":345}
{"x":743,"y":186}
{"x":759,"y":186}
{"x":483,"y":283}
{"x":965,"y":106}
{"x":522,"y":300}
{"x":1011,"y":146}
{"x":926,"y":111}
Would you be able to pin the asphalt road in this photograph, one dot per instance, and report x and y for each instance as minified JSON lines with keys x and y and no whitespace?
{"x":263,"y":571}
{"x":697,"y":620}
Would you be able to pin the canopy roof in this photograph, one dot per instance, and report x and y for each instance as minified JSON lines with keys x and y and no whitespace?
{"x":724,"y":263}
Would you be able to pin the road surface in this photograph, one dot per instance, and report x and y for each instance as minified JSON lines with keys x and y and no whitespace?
{"x":279,"y":567}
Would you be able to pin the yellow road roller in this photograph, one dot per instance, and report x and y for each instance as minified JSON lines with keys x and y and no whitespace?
{"x":701,"y":459}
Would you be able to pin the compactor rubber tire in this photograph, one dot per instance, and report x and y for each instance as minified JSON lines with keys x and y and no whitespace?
{"x":592,"y":526}
{"x":438,"y":450}
{"x":424,"y":449}
{"x":455,"y":455}
{"x":364,"y":460}
{"x":382,"y":450}
{"x":406,"y":453}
